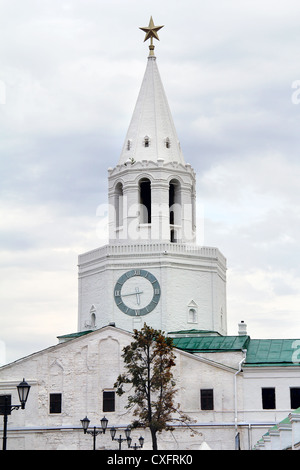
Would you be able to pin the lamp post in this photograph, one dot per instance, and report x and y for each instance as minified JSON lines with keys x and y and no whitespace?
{"x":120,"y":439}
{"x":23,"y":391}
{"x":85,"y":424}
{"x":135,"y":446}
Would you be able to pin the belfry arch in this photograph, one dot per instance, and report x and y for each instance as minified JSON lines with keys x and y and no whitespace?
{"x":174,"y":208}
{"x":145,"y":200}
{"x":119,"y":204}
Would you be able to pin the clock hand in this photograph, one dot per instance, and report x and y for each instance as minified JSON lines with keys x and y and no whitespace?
{"x":133,"y":293}
{"x":138,"y":297}
{"x":136,"y":293}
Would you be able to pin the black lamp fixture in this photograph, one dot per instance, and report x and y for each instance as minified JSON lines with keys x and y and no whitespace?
{"x":135,"y":446}
{"x":6,"y":408}
{"x":120,"y":439}
{"x":23,"y":392}
{"x":85,"y":422}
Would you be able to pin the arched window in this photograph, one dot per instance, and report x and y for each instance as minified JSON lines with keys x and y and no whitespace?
{"x":192,"y":312}
{"x":146,"y":141}
{"x":171,"y":202}
{"x":119,"y":204}
{"x":167,"y":141}
{"x":92,"y":323}
{"x":128,"y":144}
{"x":145,"y":201}
{"x":192,"y":316}
{"x":93,"y":320}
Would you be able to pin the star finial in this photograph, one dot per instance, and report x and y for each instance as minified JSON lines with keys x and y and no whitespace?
{"x":151,"y":32}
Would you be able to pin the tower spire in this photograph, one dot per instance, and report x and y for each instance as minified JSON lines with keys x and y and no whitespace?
{"x":151,"y":134}
{"x":151,"y":32}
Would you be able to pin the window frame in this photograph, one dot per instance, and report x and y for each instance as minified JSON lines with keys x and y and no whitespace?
{"x":2,"y":404}
{"x":109,"y":404}
{"x":207,"y":402}
{"x":293,"y":398}
{"x":266,"y":400}
{"x":55,"y":405}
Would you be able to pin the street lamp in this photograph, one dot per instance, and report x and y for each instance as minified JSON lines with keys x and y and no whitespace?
{"x":85,"y":424}
{"x":120,"y":439}
{"x":23,"y":392}
{"x":135,"y":446}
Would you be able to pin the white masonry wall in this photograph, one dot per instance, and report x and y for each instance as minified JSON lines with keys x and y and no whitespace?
{"x":189,"y":278}
{"x":81,"y":369}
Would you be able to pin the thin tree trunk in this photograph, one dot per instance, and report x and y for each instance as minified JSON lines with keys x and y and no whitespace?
{"x":154,"y":438}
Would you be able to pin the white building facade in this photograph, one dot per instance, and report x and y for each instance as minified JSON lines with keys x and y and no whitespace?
{"x":232,"y":387}
{"x":219,"y":387}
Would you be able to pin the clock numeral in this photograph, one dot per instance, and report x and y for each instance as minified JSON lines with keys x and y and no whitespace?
{"x":136,"y":312}
{"x":117,"y":293}
{"x":137,"y":272}
{"x":156,"y":291}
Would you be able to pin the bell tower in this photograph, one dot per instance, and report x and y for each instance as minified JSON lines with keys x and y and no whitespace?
{"x":152,"y":270}
{"x":152,"y":189}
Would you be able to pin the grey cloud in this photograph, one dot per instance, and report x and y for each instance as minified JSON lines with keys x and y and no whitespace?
{"x":72,"y":71}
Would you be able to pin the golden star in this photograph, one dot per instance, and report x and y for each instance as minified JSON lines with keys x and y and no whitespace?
{"x":151,"y":30}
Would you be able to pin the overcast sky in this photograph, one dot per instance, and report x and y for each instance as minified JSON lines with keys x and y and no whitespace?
{"x":70,"y":73}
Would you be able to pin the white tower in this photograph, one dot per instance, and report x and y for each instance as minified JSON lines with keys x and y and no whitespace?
{"x":152,"y":270}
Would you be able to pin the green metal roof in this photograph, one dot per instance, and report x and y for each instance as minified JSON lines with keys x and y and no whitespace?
{"x":75,"y":335}
{"x":260,"y":352}
{"x":267,"y":352}
{"x":211,"y":343}
{"x":198,"y":332}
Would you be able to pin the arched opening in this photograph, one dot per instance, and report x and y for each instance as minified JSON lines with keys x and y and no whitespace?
{"x":173,"y":236}
{"x":119,"y":204}
{"x":145,"y":201}
{"x":174,"y":208}
{"x":171,"y":202}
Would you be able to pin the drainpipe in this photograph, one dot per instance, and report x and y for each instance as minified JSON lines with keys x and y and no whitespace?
{"x":235,"y":391}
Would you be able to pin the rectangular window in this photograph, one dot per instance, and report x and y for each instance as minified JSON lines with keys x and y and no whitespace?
{"x":295,"y":397}
{"x":5,"y":400}
{"x":268,"y":398}
{"x":108,"y":401}
{"x":207,"y":399}
{"x":55,"y":403}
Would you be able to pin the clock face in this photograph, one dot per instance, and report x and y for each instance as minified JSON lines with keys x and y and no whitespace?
{"x":137,"y":292}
